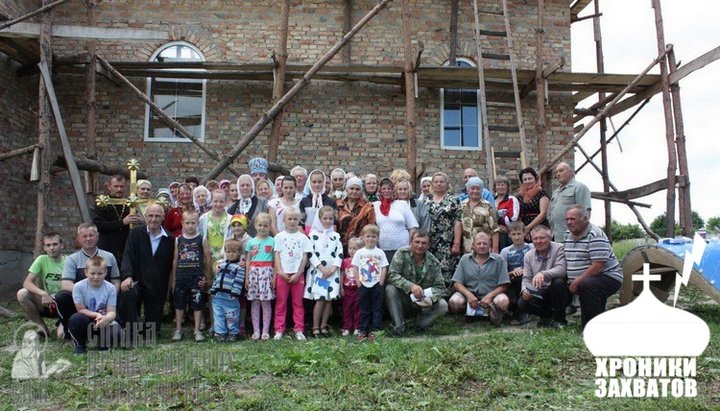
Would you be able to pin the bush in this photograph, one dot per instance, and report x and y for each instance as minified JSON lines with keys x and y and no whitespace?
{"x":625,"y":231}
{"x":713,"y":225}
{"x":658,"y":224}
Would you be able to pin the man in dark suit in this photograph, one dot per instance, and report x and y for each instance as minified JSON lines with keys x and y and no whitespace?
{"x":145,"y":269}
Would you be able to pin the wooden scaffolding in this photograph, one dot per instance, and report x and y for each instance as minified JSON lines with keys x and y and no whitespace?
{"x":30,"y":44}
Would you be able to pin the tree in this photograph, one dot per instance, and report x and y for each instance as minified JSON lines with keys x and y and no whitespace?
{"x":658,"y":224}
{"x":713,"y":224}
{"x":625,"y":231}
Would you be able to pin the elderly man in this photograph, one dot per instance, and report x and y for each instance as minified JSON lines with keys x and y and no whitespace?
{"x":544,"y":284}
{"x":480,"y":281}
{"x":74,"y":270}
{"x":593,"y":271}
{"x":486,"y":194}
{"x":146,"y":269}
{"x":113,"y":221}
{"x":570,"y":192}
{"x":300,"y":175}
{"x":412,"y":271}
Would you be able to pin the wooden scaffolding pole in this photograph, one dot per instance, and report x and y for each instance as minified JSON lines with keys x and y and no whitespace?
{"x":46,"y":7}
{"x":600,"y":63}
{"x":541,"y":123}
{"x":487,"y":145}
{"x":454,"y":9}
{"x":272,"y":112}
{"x":90,"y":104}
{"x":19,"y":151}
{"x":409,"y":70}
{"x":44,"y":124}
{"x":347,"y":25}
{"x":684,"y":181}
{"x":171,"y":122}
{"x":669,"y":126}
{"x":569,"y":146}
{"x":280,"y":62}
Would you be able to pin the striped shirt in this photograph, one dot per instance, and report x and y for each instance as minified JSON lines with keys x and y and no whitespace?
{"x":591,"y":246}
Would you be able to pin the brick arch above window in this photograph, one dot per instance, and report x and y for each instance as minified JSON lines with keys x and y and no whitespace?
{"x":197,"y":37}
{"x":440,"y":55}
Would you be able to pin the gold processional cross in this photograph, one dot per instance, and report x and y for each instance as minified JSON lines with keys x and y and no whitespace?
{"x":132,"y":201}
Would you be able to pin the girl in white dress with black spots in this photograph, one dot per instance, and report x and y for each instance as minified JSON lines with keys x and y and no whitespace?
{"x":323,"y":283}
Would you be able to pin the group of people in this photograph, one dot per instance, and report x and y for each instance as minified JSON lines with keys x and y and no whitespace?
{"x":325,"y":243}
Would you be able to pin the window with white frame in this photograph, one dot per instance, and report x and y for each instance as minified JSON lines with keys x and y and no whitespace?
{"x":460,"y":116}
{"x":181,"y":99}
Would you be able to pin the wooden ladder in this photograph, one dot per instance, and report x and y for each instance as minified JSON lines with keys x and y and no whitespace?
{"x":509,"y":126}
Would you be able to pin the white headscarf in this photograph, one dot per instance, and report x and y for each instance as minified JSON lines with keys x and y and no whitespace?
{"x":324,"y":232}
{"x":202,"y":207}
{"x":316,"y":199}
{"x":339,"y":194}
{"x":244,"y":203}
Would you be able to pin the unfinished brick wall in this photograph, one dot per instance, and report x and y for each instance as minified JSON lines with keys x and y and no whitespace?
{"x":355,"y":126}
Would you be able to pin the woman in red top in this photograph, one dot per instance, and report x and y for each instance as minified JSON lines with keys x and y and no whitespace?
{"x":173,"y":218}
{"x":508,"y":209}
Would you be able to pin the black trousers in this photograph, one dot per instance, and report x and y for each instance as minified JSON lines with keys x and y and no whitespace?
{"x":129,"y":307}
{"x":513,"y":292}
{"x":66,"y":308}
{"x":554,"y":300}
{"x":594,"y":292}
{"x":81,"y":329}
{"x":371,"y":304}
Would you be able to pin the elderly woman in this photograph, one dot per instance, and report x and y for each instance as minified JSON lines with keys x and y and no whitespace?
{"x":534,"y":201}
{"x":508,"y":209}
{"x":173,"y":219}
{"x":371,"y":187}
{"x":478,"y":215}
{"x":248,"y":203}
{"x":337,"y":184}
{"x":403,"y":192}
{"x":349,"y":208}
{"x":394,"y":219}
{"x":202,"y":199}
{"x":425,"y":188}
{"x":143,"y":189}
{"x":446,"y":227}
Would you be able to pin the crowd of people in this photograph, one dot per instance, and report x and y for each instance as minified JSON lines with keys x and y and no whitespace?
{"x":356,"y":246}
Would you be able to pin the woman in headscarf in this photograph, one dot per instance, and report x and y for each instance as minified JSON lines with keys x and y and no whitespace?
{"x":315,"y":199}
{"x":144,"y":192}
{"x":478,"y":215}
{"x":425,"y":187}
{"x":248,"y":203}
{"x":265,"y":189}
{"x":446,"y":227}
{"x":173,"y":187}
{"x":371,"y":187}
{"x":508,"y":209}
{"x":337,"y":181}
{"x":534,"y":201}
{"x":349,"y":208}
{"x":201,"y":199}
{"x":394,"y":218}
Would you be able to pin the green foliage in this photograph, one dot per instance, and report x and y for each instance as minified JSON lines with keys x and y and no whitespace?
{"x":658,"y":224}
{"x":713,"y":224}
{"x":625,"y":231}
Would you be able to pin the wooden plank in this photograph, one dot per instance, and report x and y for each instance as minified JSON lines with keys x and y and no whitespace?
{"x":32,"y":30}
{"x":409,"y":71}
{"x":607,"y":197}
{"x":34,"y":13}
{"x":19,"y":151}
{"x":67,"y":150}
{"x":44,"y":128}
{"x":577,"y":7}
{"x":280,"y":59}
{"x":272,"y":112}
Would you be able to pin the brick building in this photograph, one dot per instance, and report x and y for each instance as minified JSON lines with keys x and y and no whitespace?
{"x":358,"y":125}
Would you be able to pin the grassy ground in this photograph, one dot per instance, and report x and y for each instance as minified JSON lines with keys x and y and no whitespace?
{"x":455,"y":366}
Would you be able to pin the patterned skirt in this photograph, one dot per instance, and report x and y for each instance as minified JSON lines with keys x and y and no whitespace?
{"x":260,"y":283}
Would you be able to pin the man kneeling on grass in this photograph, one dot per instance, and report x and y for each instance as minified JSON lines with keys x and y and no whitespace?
{"x":415,"y":285}
{"x":480,"y":281}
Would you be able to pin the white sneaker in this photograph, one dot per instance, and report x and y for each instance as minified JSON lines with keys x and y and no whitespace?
{"x":177,"y":335}
{"x":278,"y":336}
{"x":199,"y":336}
{"x":300,"y":336}
{"x":345,"y":333}
{"x":356,"y":332}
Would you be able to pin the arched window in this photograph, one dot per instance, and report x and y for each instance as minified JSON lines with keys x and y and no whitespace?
{"x":460,"y":116}
{"x":181,"y":99}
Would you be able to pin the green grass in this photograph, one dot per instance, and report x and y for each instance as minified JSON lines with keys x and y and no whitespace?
{"x":622,"y":247}
{"x":454,"y":366}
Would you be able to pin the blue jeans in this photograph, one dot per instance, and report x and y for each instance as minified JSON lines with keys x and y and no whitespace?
{"x":226,"y":314}
{"x":371,"y":303}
